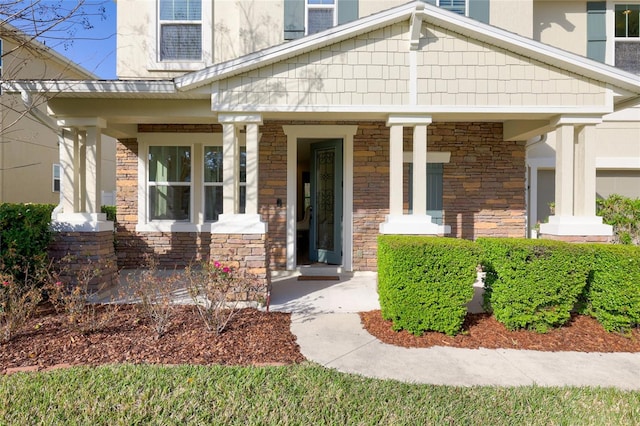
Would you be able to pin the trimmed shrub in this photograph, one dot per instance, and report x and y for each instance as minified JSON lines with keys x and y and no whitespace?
{"x":614,"y":287}
{"x":424,"y":283}
{"x":110,"y":211}
{"x":533,"y":284}
{"x":25,"y":235}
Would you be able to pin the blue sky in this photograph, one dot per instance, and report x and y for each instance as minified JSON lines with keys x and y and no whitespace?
{"x":95,"y":49}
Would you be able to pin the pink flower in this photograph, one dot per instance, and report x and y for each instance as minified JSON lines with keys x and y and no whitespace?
{"x":226,"y":270}
{"x":58,"y":284}
{"x":5,"y":283}
{"x":216,"y":264}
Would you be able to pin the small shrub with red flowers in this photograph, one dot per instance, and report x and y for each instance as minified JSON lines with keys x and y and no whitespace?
{"x":219,"y":292}
{"x":17,"y":304}
{"x":70,"y":290}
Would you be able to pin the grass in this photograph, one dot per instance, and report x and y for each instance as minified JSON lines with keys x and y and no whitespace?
{"x":304,"y":394}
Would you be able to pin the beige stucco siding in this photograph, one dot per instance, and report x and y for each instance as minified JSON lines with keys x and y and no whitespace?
{"x":456,"y":70}
{"x":374,"y":69}
{"x":371,"y":69}
{"x":561,"y":24}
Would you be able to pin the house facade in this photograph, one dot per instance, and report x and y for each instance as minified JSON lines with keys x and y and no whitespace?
{"x":30,"y":170}
{"x":239,"y":121}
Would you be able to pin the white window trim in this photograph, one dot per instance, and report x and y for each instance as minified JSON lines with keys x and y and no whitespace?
{"x":610,"y":55}
{"x":149,"y":184}
{"x":308,"y":7}
{"x":197,"y":141}
{"x":206,"y":24}
{"x":53,"y":176}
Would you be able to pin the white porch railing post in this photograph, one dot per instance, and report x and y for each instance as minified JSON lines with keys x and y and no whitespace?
{"x":230,"y":178}
{"x":419,"y":194}
{"x":395,"y":170}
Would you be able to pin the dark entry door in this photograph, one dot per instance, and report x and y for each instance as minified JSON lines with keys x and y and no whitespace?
{"x":325,"y":230}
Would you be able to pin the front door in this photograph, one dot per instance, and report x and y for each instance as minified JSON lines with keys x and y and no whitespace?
{"x":325,"y":230}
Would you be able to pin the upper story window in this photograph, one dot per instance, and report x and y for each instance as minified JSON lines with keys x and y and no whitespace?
{"x":321,"y":15}
{"x":457,"y":6}
{"x":627,"y":37}
{"x":180,"y":30}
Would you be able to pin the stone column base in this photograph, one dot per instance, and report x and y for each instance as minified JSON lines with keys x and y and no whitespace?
{"x":576,"y":229}
{"x":246,"y":253}
{"x":412,"y":225}
{"x":78,"y":253}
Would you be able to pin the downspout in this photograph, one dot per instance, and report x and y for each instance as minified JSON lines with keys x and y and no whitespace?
{"x":46,"y":121}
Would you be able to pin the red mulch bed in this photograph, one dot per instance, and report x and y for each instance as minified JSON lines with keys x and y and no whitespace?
{"x":581,"y":334}
{"x":253,"y":338}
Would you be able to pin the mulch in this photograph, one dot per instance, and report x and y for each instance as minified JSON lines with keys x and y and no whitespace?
{"x":580,"y":334}
{"x":252,"y":338}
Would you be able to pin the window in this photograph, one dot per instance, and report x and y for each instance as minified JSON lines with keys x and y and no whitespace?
{"x":627,"y":37}
{"x":169,"y":183}
{"x":457,"y":6}
{"x":56,"y":178}
{"x":321,"y":15}
{"x":180,"y":30}
{"x":434,"y":191}
{"x":213,"y":163}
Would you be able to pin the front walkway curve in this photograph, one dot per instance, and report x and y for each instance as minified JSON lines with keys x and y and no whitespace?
{"x":329,"y":332}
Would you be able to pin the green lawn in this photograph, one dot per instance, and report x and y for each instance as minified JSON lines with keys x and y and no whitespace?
{"x":305,"y":394}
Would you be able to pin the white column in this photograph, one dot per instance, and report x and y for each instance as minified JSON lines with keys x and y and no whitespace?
{"x":395,"y":170}
{"x":575,"y":180}
{"x":68,"y":181}
{"x":229,"y":175}
{"x":252,"y":169}
{"x":93,"y":171}
{"x":81,"y":171}
{"x":564,"y":170}
{"x":585,"y":172}
{"x":419,"y":201}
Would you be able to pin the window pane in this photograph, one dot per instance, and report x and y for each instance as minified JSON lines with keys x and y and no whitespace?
{"x":180,"y":42}
{"x":169,"y":202}
{"x":321,"y":1}
{"x":169,"y":164}
{"x":634,"y":21}
{"x":243,"y":199}
{"x":457,"y":6}
{"x":212,"y":202}
{"x":243,"y":164}
{"x":320,"y":20}
{"x":180,"y":10}
{"x":213,"y":164}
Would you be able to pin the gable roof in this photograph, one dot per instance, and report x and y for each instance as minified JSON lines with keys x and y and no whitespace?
{"x":431,"y":15}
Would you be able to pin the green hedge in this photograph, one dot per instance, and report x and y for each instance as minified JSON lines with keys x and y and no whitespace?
{"x":614,"y":287}
{"x":533,"y":284}
{"x":424,"y":283}
{"x":623,"y":214}
{"x":25,"y":235}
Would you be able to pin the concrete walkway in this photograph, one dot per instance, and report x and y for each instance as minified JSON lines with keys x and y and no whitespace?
{"x":329,"y":332}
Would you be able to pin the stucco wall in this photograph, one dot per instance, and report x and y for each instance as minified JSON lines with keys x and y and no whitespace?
{"x":561,"y":24}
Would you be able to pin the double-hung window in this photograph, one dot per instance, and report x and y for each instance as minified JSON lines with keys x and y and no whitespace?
{"x":321,"y":15}
{"x":180,"y":30}
{"x":56,"y":178}
{"x":434,"y":191}
{"x":213,"y":182}
{"x":476,"y":9}
{"x":457,"y":6}
{"x":627,"y":37}
{"x":169,"y":183}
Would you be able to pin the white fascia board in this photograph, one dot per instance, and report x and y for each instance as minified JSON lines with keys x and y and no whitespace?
{"x":90,"y":86}
{"x":296,"y":47}
{"x":424,"y":110}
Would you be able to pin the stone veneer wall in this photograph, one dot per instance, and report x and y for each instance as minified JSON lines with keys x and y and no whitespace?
{"x":484,"y":190}
{"x":86,"y":248}
{"x":247,"y":253}
{"x":579,"y":238}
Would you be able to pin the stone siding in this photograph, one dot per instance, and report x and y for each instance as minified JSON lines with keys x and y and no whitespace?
{"x":78,"y":252}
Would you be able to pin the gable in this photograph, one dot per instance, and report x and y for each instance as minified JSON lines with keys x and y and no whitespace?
{"x":447,"y":71}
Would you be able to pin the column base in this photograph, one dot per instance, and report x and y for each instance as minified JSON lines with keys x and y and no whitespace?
{"x":412,"y":225}
{"x":81,"y":222}
{"x":576,"y":226}
{"x":239,"y":224}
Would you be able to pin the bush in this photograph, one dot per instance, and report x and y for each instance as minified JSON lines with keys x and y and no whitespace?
{"x":424,"y":283}
{"x":624,"y":215}
{"x":25,"y":236}
{"x":110,"y":211}
{"x":533,"y":284}
{"x":614,"y":287}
